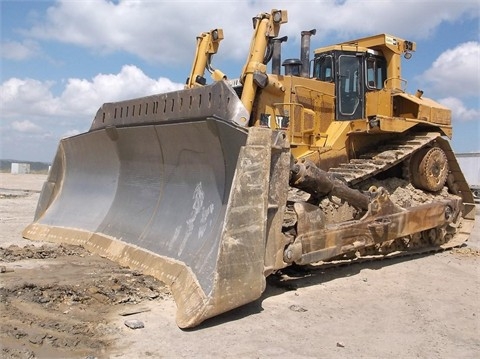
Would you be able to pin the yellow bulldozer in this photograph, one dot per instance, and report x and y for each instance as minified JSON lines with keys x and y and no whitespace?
{"x":215,"y":187}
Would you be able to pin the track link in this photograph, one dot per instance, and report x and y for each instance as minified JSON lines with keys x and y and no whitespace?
{"x":372,"y":163}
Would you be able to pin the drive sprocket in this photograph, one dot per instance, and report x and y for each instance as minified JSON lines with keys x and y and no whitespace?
{"x":429,"y":169}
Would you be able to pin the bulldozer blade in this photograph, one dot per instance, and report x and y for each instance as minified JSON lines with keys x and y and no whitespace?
{"x":184,"y":202}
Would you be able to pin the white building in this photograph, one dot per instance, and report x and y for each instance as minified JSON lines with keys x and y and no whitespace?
{"x":20,"y":168}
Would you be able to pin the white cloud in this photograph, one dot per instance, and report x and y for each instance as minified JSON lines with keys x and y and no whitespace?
{"x":153,"y":30}
{"x":406,"y":18}
{"x":80,"y":97}
{"x":150,"y":30}
{"x":31,"y":114}
{"x":459,"y":111}
{"x":14,"y":50}
{"x":85,"y":96}
{"x":456,"y":71}
{"x":26,"y":126}
{"x":27,"y":97}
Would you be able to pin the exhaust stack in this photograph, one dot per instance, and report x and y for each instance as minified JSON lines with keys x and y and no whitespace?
{"x":305,"y":52}
{"x":277,"y":54}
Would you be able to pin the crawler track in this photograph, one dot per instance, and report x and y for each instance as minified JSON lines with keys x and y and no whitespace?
{"x":370,"y":164}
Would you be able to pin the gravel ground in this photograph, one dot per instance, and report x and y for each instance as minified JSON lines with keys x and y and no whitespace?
{"x":62,"y":302}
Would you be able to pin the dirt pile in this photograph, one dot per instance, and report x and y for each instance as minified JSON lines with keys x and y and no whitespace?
{"x":56,"y":301}
{"x":15,"y":253}
{"x":466,"y":252}
{"x":404,"y":193}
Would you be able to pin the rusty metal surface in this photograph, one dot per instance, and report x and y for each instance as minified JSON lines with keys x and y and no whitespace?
{"x":384,"y":221}
{"x":277,"y":201}
{"x":309,"y":178}
{"x":184,"y":202}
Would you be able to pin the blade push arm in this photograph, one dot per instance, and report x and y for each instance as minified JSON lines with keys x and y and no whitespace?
{"x":207,"y":46}
{"x":266,"y":27}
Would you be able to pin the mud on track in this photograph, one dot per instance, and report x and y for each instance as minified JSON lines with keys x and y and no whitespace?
{"x":58,"y":301}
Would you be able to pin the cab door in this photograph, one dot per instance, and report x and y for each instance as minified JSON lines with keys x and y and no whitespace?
{"x":350,"y":90}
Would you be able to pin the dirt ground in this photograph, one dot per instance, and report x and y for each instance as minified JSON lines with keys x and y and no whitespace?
{"x":62,"y":302}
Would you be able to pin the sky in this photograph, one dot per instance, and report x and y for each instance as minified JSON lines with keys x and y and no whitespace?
{"x":61,"y":60}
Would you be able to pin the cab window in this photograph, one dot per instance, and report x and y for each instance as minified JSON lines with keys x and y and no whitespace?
{"x":376,"y":72}
{"x":323,"y":69}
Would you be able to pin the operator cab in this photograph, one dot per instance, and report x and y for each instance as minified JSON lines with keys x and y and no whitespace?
{"x":353,"y":73}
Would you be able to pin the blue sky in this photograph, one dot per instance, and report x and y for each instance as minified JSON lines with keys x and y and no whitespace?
{"x":60,"y":60}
